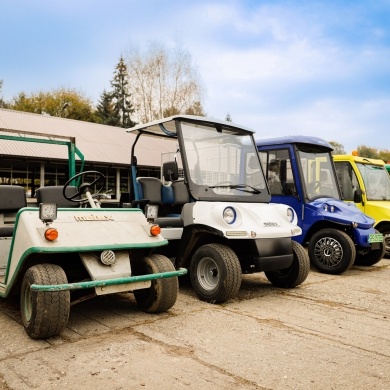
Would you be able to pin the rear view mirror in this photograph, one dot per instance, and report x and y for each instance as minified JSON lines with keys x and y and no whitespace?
{"x":357,"y":196}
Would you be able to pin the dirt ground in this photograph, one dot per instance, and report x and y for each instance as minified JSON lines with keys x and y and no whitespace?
{"x":332,"y":332}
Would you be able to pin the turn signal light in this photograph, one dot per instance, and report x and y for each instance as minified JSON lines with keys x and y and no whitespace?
{"x":51,"y":234}
{"x":155,"y":230}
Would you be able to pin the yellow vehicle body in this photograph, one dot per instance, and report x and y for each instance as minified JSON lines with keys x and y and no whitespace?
{"x":366,"y":182}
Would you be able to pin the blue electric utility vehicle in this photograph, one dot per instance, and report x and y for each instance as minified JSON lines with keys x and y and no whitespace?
{"x":300,"y":173}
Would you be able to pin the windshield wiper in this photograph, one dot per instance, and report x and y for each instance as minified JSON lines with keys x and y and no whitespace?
{"x":239,"y":187}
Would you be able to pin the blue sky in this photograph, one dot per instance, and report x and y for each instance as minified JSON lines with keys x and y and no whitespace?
{"x":280,"y":67}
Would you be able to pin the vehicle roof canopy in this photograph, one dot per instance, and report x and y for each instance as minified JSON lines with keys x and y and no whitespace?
{"x":294,"y":139}
{"x":358,"y":159}
{"x":28,"y":136}
{"x":166,"y":127}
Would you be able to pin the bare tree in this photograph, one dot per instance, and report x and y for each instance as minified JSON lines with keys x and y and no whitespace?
{"x":163,"y":82}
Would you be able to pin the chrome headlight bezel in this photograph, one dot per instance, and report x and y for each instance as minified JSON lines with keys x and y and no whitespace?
{"x":290,"y":214}
{"x":229,"y":215}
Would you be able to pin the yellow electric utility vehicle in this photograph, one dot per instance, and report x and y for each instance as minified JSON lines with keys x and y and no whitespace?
{"x":365,"y":181}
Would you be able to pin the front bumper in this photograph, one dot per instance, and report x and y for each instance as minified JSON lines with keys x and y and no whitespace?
{"x":107,"y":282}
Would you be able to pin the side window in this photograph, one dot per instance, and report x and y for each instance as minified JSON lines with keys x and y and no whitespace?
{"x":347,"y":179}
{"x":278,"y":171}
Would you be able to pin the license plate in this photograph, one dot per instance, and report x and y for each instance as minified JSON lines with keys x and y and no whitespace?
{"x":375,"y":237}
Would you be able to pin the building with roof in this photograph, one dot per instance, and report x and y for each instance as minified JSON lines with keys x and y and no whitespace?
{"x":105,"y":148}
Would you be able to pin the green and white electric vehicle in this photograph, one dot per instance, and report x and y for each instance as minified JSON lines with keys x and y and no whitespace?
{"x":66,"y":249}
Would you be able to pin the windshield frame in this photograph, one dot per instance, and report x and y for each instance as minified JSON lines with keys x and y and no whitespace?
{"x":238,"y":187}
{"x":316,"y":186}
{"x":377,"y":192}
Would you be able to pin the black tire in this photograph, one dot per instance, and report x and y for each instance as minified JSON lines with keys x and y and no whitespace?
{"x":386,"y":239}
{"x":162,"y":293}
{"x":215,"y":273}
{"x":372,"y":257}
{"x":332,"y":251}
{"x":294,"y":275}
{"x":44,"y":314}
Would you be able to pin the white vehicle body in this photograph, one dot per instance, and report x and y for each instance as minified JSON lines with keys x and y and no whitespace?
{"x":67,"y":249}
{"x":218,"y":219}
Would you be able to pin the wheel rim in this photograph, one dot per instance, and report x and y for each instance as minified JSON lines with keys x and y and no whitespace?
{"x":27,"y":303}
{"x":328,"y":251}
{"x":207,"y":273}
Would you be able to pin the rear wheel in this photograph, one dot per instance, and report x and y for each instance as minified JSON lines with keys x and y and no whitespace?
{"x":215,"y":273}
{"x":331,"y":251}
{"x":296,"y":273}
{"x":44,"y":314}
{"x":162,"y":293}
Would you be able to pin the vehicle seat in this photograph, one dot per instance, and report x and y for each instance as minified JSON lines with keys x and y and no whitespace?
{"x":150,"y":189}
{"x":180,"y":192}
{"x":54,"y":194}
{"x":12,"y":199}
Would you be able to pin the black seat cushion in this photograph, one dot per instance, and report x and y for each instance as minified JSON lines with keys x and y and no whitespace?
{"x":54,"y":194}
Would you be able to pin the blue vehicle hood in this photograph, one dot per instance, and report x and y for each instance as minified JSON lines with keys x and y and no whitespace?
{"x":344,"y":213}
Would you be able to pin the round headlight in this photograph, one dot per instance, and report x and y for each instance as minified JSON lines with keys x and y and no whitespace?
{"x":229,"y":215}
{"x":290,"y":214}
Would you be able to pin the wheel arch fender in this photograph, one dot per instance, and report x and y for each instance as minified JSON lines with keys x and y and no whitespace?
{"x":193,"y":237}
{"x":320,"y":225}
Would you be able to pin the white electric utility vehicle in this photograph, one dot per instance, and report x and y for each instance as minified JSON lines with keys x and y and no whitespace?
{"x":218,"y":218}
{"x":56,"y":255}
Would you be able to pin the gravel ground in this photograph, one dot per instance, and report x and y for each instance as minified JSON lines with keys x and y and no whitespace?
{"x":332,"y":332}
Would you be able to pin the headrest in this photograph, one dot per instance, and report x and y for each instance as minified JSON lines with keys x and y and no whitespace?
{"x":170,"y":171}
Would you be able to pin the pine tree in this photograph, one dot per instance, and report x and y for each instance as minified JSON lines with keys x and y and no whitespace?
{"x":2,"y":102}
{"x":106,"y":111}
{"x":120,"y":95}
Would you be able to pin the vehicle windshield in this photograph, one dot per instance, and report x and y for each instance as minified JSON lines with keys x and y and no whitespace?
{"x":221,"y":162}
{"x":376,"y":181}
{"x":318,"y":175}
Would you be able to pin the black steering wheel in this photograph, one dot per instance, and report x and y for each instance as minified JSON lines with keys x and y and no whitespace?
{"x":83,"y":188}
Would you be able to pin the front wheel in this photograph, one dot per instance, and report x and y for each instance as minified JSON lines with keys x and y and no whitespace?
{"x":44,"y":314}
{"x":162,"y":293}
{"x":215,"y":273}
{"x":295,"y":274}
{"x":331,"y":251}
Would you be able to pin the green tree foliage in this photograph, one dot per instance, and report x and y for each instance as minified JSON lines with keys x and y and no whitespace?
{"x":366,"y":151}
{"x":115,"y":107}
{"x":65,"y":103}
{"x":164,"y":82}
{"x":381,"y":154}
{"x":2,"y":102}
{"x":106,"y":110}
{"x":385,"y":155}
{"x":337,"y":147}
{"x":121,"y":96}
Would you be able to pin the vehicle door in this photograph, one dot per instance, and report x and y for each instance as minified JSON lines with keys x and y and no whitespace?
{"x":282,"y":179}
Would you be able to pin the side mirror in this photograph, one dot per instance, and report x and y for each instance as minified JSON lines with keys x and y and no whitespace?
{"x":357,"y":196}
